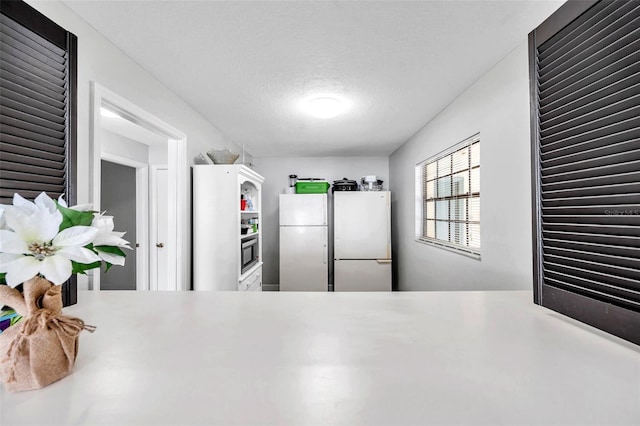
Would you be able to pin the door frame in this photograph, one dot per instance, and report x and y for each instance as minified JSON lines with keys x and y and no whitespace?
{"x":142,"y":212}
{"x":177,"y":173}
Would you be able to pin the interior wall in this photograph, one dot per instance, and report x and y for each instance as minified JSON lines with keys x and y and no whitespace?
{"x":158,"y":155}
{"x":496,"y":106}
{"x":276,"y":172}
{"x":121,"y":146}
{"x":102,"y":62}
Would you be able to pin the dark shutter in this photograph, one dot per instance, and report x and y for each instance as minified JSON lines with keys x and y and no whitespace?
{"x":585,"y":75}
{"x":37,"y":108}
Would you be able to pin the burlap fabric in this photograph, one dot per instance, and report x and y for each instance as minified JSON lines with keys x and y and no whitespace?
{"x":42,"y":347}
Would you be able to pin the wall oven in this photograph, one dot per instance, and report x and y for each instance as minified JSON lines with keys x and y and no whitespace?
{"x":249,"y":253}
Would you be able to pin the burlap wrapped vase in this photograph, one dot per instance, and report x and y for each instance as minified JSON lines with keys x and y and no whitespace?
{"x":42,"y":347}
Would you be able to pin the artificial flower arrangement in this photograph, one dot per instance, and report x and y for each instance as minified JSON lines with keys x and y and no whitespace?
{"x":48,"y":238}
{"x":42,"y":243}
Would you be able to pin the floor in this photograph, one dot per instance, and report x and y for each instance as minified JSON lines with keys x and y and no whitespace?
{"x":437,"y":358}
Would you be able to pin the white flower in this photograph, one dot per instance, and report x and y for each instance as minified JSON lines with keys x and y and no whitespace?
{"x":108,"y":237}
{"x":33,"y":221}
{"x":3,"y":221}
{"x":30,"y":243}
{"x":78,"y":207}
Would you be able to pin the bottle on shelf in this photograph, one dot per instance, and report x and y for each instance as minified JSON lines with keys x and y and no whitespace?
{"x":249,"y":202}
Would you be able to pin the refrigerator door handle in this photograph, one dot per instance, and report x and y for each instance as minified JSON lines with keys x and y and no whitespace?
{"x":383,"y":260}
{"x":325,"y":249}
{"x":324,"y":210}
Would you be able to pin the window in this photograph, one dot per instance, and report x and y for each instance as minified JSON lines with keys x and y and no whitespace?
{"x":448,"y":187}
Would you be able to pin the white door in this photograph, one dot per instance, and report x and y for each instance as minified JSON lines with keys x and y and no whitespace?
{"x":304,"y":258}
{"x":303,"y":209}
{"x":159,"y":231}
{"x":362,"y":225}
{"x":362,"y":275}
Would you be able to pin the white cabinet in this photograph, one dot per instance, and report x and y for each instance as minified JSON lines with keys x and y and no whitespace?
{"x":220,"y":227}
{"x":253,"y":282}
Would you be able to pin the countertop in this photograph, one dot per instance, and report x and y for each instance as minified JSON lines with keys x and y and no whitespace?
{"x":263,"y":358}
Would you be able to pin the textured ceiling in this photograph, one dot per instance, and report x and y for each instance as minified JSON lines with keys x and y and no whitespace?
{"x":248,"y":67}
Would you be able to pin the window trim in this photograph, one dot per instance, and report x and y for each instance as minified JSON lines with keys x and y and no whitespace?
{"x":419,"y":213}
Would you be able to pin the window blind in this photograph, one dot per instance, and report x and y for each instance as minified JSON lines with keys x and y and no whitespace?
{"x":33,"y":113}
{"x":451,"y":197}
{"x":38,"y":72}
{"x":587,"y":156}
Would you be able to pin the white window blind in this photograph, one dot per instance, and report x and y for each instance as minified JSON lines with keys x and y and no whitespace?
{"x":449,"y":198}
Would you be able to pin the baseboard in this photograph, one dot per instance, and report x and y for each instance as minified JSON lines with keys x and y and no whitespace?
{"x":270,"y":287}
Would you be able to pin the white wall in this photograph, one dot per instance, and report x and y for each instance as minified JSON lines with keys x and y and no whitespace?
{"x":102,"y":62}
{"x":158,"y":155}
{"x":496,"y":106}
{"x":276,"y":172}
{"x":118,"y":145}
{"x":122,"y":146}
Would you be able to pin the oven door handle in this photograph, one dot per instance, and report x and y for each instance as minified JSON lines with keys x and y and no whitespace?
{"x":249,"y":243}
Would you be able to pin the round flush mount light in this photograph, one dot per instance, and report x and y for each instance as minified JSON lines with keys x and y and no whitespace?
{"x":325,"y":107}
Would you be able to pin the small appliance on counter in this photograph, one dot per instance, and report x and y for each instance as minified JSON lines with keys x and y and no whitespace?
{"x":291,"y":189}
{"x":371,"y":183}
{"x":345,"y":184}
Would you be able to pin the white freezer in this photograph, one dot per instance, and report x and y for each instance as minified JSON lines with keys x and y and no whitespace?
{"x":304,"y":258}
{"x":303,"y":209}
{"x":362,"y":275}
{"x":362,"y":225}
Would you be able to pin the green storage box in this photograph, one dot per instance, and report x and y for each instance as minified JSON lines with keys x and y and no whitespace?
{"x":312,"y":187}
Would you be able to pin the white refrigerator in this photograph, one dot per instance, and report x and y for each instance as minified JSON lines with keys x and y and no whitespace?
{"x":304,"y":239}
{"x":362,"y":240}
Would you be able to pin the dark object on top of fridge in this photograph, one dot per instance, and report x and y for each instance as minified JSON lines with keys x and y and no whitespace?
{"x":345,"y":184}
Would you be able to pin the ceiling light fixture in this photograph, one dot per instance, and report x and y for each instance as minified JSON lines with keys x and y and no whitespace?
{"x":325,"y":107}
{"x":108,"y":113}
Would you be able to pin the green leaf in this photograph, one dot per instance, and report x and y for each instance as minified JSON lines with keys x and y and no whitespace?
{"x":107,"y":267}
{"x":2,"y":279}
{"x":80,"y":268}
{"x":111,"y":249}
{"x":72,"y":217}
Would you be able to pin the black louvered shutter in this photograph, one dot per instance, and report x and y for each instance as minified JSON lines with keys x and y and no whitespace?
{"x":585,"y":74}
{"x":37,"y":108}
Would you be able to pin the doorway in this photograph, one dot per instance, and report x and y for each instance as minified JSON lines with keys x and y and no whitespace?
{"x":120,"y":202}
{"x":166,"y":147}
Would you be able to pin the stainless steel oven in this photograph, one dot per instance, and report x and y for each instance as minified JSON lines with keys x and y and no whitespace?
{"x":249,"y":253}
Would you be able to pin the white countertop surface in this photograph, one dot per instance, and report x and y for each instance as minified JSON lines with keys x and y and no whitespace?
{"x":239,"y":358}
